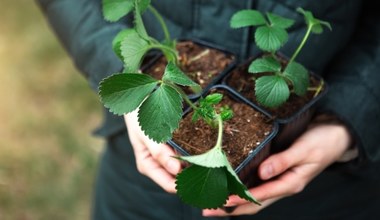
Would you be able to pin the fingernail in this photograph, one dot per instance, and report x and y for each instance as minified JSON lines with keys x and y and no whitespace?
{"x":267,"y":171}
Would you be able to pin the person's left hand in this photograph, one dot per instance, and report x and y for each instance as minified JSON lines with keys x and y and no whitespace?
{"x":293,"y":168}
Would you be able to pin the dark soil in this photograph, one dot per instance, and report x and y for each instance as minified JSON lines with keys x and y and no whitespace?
{"x":244,"y":82}
{"x":243,"y":133}
{"x":200,"y":63}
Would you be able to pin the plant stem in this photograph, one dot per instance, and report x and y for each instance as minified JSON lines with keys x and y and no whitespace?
{"x":220,"y":131}
{"x":162,"y":23}
{"x":319,"y":88}
{"x":167,"y":49}
{"x":183,"y":95}
{"x":307,"y":34}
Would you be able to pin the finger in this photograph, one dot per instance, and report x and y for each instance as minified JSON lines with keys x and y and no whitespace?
{"x":164,"y":156}
{"x":248,"y":208}
{"x":291,"y":182}
{"x":149,"y":167}
{"x":160,"y":175}
{"x":279,"y":163}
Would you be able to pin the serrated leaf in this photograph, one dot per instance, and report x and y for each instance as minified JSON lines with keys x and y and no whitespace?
{"x":175,"y":75}
{"x":123,"y":93}
{"x":245,"y":18}
{"x":271,"y":91}
{"x":279,"y":21}
{"x":116,"y":43}
{"x":270,"y":38}
{"x":235,"y":186}
{"x":160,"y":113}
{"x":202,"y":187}
{"x":139,"y":24}
{"x":299,"y":77}
{"x":113,"y":10}
{"x":133,"y":49}
{"x":213,"y":158}
{"x":266,"y":64}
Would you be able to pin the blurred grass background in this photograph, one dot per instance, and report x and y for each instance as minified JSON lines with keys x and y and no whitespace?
{"x":48,"y":158}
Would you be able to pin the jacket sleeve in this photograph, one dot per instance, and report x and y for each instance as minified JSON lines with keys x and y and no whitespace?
{"x":354,"y":91}
{"x":85,"y":35}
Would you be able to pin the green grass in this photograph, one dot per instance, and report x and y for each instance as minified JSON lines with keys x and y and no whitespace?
{"x":48,"y":158}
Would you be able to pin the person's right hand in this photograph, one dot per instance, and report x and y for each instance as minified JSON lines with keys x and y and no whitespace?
{"x":152,"y":159}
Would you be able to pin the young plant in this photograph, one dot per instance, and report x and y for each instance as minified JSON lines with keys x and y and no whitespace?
{"x":273,"y":89}
{"x":160,"y":110}
{"x":210,"y":179}
{"x":131,"y":45}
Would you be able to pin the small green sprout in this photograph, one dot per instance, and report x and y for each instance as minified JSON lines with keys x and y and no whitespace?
{"x":210,"y":179}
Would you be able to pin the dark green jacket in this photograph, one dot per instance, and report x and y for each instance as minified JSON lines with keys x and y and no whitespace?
{"x":348,"y":57}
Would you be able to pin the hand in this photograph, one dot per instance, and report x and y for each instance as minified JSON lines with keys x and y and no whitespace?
{"x":152,"y":159}
{"x":293,"y":168}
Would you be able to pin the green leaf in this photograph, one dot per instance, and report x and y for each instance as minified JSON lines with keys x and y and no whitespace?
{"x":143,"y":5}
{"x":175,"y":75}
{"x":133,"y":49}
{"x":317,"y":29}
{"x":213,"y":158}
{"x":116,"y":43}
{"x":299,"y":77}
{"x":206,"y":108}
{"x":315,"y":24}
{"x":270,"y":38}
{"x":266,"y":64}
{"x":139,"y":24}
{"x":226,"y":113}
{"x":235,"y":186}
{"x":246,"y":18}
{"x":123,"y":93}
{"x":113,"y":10}
{"x":202,"y":187}
{"x":214,"y":98}
{"x":279,"y":21}
{"x":271,"y":91}
{"x":160,"y":113}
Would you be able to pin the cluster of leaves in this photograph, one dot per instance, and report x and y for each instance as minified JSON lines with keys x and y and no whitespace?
{"x":159,"y":101}
{"x":132,"y":44}
{"x":270,"y":35}
{"x":207,"y":111}
{"x":210,"y":179}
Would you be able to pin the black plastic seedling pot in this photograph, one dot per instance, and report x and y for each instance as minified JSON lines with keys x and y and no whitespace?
{"x":247,"y":169}
{"x":217,"y":79}
{"x":292,"y":126}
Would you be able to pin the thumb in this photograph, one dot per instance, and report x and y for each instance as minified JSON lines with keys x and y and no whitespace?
{"x":279,"y":163}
